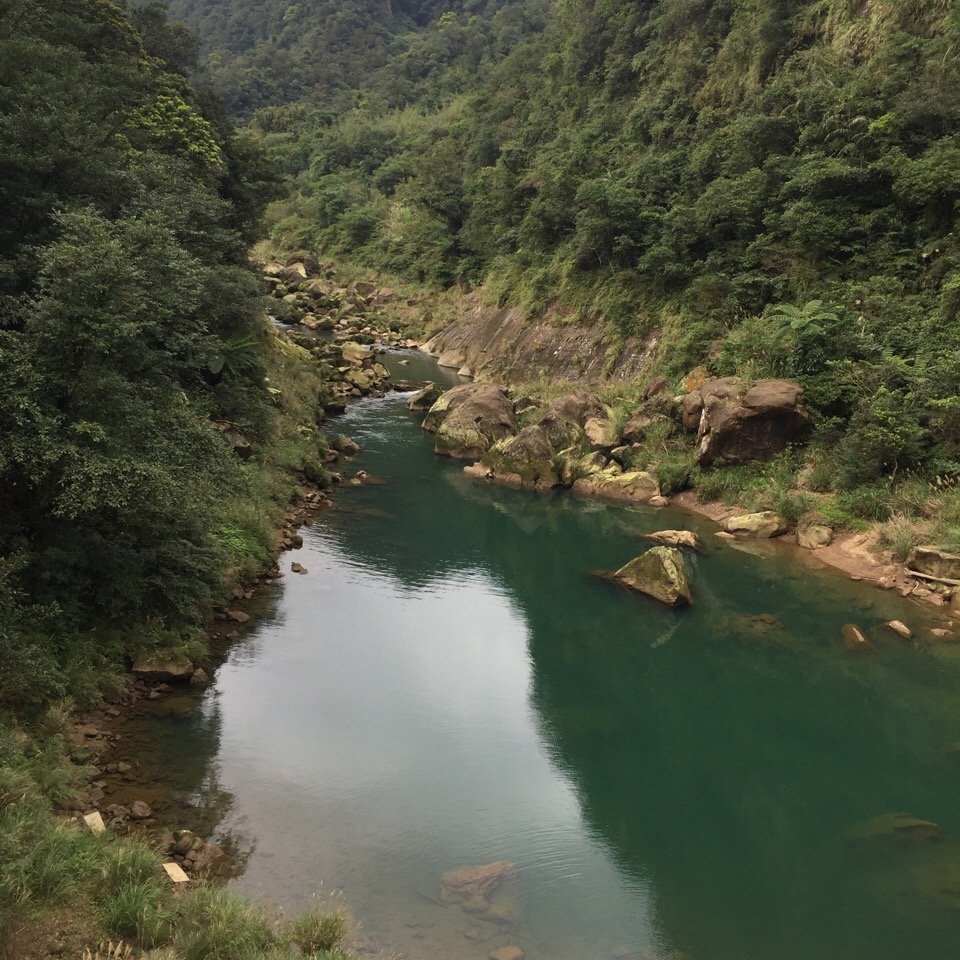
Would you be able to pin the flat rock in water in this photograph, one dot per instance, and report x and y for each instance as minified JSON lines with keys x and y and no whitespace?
{"x":164,"y":664}
{"x":898,"y":626}
{"x":660,"y":573}
{"x":675,"y":538}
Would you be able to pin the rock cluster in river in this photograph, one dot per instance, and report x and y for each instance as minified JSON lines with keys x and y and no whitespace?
{"x":342,"y":325}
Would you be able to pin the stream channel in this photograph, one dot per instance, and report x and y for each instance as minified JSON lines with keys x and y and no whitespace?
{"x":450,"y":685}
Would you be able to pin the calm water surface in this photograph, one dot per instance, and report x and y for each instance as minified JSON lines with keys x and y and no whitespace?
{"x":450,"y":685}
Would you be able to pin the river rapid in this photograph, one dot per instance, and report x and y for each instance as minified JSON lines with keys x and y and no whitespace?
{"x":451,"y":685}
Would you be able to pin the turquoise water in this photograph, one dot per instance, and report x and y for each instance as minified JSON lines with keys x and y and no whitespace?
{"x":451,"y":685}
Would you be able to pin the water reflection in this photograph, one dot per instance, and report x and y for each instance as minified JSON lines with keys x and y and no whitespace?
{"x":452,"y":686}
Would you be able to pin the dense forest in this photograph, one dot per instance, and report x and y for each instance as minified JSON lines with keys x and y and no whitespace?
{"x":131,"y":332}
{"x":700,"y":167}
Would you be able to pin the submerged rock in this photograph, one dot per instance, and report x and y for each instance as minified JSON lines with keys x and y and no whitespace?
{"x":676,"y":538}
{"x":473,"y":887}
{"x":895,"y":826}
{"x":506,"y":953}
{"x":763,"y":525}
{"x":660,"y":573}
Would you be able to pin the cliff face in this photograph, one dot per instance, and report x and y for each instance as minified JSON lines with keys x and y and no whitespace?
{"x":491,"y":342}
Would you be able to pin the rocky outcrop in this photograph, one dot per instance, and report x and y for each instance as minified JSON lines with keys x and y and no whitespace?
{"x":164,"y":664}
{"x":738,"y":424}
{"x":660,"y":573}
{"x":935,"y":562}
{"x":468,"y":420}
{"x":761,"y":526}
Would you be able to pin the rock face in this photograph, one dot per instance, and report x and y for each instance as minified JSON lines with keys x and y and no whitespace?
{"x":163,"y":664}
{"x":738,"y":424}
{"x":660,"y":573}
{"x":762,"y":525}
{"x":470,"y":419}
{"x":676,"y":538}
{"x":935,"y":562}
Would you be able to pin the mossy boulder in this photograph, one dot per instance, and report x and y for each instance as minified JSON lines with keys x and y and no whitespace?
{"x":472,"y":420}
{"x":660,"y":573}
{"x":761,"y":526}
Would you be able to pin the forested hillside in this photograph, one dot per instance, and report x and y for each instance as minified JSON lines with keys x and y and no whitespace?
{"x":684,"y":166}
{"x":131,"y":332}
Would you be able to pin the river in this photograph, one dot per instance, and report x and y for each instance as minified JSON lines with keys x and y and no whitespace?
{"x":451,"y":685}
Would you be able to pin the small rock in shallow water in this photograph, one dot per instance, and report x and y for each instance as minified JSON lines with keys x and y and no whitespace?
{"x":854,"y":639}
{"x":675,"y":538}
{"x":140,"y":810}
{"x":898,"y":626}
{"x":298,"y":568}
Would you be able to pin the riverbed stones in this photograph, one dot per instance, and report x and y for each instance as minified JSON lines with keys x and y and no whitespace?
{"x":899,"y":627}
{"x":163,"y":664}
{"x":934,"y":561}
{"x":676,"y":538}
{"x":739,"y":424}
{"x":660,"y":573}
{"x":345,"y":445}
{"x":140,"y":810}
{"x":761,"y":526}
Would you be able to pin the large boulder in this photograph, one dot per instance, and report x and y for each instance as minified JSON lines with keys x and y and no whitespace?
{"x":761,"y":526}
{"x":163,"y":664}
{"x":528,"y":459}
{"x":738,"y":425}
{"x":473,"y":418}
{"x":425,"y":397}
{"x":935,"y":562}
{"x":660,"y":573}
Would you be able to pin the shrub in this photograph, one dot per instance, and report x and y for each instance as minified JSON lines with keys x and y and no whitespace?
{"x":316,"y":931}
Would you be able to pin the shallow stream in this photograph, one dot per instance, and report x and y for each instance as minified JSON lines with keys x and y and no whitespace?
{"x":450,"y":685}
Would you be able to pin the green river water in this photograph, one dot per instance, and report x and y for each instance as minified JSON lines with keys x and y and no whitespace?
{"x":451,"y":685}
